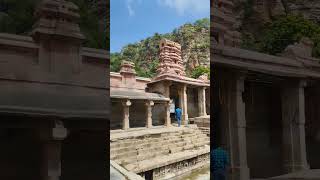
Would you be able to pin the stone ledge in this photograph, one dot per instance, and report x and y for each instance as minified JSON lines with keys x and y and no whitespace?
{"x":128,"y":175}
{"x":158,"y":162}
{"x":136,"y":132}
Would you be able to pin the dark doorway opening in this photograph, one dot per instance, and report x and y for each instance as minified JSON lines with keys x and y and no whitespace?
{"x":263,"y":129}
{"x":149,"y":175}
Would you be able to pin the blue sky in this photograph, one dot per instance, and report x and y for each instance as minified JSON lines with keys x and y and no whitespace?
{"x":134,"y":20}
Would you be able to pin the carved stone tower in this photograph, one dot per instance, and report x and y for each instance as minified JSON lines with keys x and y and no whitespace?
{"x":59,"y":37}
{"x":170,"y":59}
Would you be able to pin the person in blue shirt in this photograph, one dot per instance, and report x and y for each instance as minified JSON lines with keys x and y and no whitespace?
{"x":178,"y":113}
{"x":219,"y":162}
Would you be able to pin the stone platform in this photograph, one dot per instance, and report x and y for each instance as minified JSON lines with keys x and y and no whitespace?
{"x":165,"y":152}
{"x":313,"y":174}
{"x":203,"y":122}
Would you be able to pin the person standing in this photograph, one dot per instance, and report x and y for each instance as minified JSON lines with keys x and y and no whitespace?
{"x":178,"y":113}
{"x":219,"y":163}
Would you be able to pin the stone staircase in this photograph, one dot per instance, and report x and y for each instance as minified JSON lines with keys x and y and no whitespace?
{"x":145,"y":150}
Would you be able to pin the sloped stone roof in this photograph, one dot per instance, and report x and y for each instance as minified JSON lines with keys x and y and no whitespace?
{"x":137,"y":95}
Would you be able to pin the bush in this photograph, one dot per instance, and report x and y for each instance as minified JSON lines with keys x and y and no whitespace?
{"x":200,"y":70}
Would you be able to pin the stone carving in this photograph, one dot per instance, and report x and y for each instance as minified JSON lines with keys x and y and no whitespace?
{"x":127,"y":67}
{"x":203,"y":77}
{"x":57,"y":17}
{"x":170,"y":58}
{"x":301,"y":49}
{"x":179,"y":167}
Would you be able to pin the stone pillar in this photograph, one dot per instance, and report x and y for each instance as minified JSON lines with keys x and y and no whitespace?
{"x":126,"y":124}
{"x":149,"y":105}
{"x":51,"y":159}
{"x":293,"y":117}
{"x":234,"y":120}
{"x":184,"y":104}
{"x":202,"y":101}
{"x":167,"y":115}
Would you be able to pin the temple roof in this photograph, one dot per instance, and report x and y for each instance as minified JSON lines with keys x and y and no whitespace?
{"x":136,"y":95}
{"x":269,"y":64}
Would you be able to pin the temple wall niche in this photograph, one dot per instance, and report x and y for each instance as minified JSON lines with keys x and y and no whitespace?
{"x":137,"y":114}
{"x":192,"y":94}
{"x":116,"y":115}
{"x":264,"y":131}
{"x":158,"y":114}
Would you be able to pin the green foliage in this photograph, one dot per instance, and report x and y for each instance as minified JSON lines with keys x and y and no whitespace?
{"x":281,"y":32}
{"x":17,"y":17}
{"x":287,"y":30}
{"x":200,"y":70}
{"x":116,"y":62}
{"x":145,"y":54}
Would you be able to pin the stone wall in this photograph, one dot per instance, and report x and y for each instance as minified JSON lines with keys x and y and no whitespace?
{"x":178,"y":168}
{"x":158,"y":114}
{"x":26,"y":73}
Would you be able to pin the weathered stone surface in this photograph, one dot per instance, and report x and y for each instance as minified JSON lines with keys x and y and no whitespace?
{"x":152,"y":148}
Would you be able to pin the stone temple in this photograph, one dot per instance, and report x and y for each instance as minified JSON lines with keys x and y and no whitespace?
{"x":53,"y":100}
{"x":265,"y":108}
{"x":144,"y":138}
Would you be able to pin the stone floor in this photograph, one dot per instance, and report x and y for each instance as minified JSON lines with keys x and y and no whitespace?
{"x":313,"y":174}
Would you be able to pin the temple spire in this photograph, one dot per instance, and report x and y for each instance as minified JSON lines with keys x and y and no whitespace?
{"x":57,"y":18}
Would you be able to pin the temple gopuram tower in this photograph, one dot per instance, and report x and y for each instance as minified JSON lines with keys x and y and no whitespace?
{"x":223,"y":25}
{"x":170,"y":58}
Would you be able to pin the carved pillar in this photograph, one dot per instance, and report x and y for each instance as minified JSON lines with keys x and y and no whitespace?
{"x":149,"y":105}
{"x":167,"y":115}
{"x":202,"y":101}
{"x":236,"y":126}
{"x":51,"y":159}
{"x":126,"y":123}
{"x":293,"y":117}
{"x":184,"y":104}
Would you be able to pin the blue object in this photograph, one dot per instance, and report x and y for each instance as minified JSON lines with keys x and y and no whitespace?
{"x":178,"y":113}
{"x":219,"y":159}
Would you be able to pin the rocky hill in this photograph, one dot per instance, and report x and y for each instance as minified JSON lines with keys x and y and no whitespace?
{"x":255,"y":13}
{"x":278,"y":20}
{"x":195,"y":44}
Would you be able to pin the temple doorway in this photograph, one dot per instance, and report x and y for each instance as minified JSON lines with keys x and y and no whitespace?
{"x":174,"y":97}
{"x":263,"y":129}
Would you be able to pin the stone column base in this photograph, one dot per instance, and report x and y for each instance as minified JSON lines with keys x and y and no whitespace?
{"x":239,"y":173}
{"x":294,"y":168}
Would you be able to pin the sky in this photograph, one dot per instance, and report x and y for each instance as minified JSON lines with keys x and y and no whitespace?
{"x":134,"y":20}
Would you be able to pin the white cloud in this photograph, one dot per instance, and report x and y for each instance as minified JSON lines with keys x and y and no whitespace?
{"x":188,"y":6}
{"x":130,"y":4}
